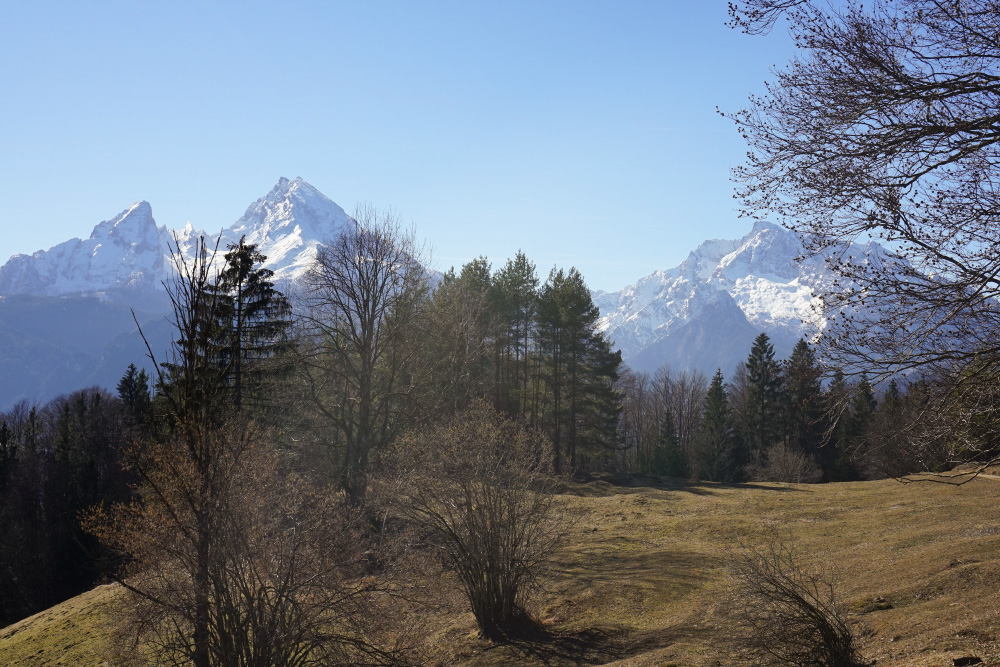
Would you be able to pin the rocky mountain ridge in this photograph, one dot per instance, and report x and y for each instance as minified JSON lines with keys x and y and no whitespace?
{"x":704,"y":313}
{"x":128,"y":256}
{"x":701,"y":315}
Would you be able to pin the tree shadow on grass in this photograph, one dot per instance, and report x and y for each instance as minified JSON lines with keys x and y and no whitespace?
{"x":596,"y":485}
{"x":535,"y":644}
{"x":613,"y":573}
{"x":539,"y":645}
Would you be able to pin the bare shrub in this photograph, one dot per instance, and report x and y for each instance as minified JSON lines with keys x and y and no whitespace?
{"x":782,"y":463}
{"x":784,"y":617}
{"x":279,"y":581}
{"x":481,"y":486}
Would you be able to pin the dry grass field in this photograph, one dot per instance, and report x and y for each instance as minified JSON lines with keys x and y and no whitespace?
{"x":642,"y":579}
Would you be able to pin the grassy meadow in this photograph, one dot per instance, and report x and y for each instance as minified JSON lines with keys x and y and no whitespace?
{"x":642,"y":578}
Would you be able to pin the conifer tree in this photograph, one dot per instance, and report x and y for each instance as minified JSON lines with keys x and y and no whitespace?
{"x":764,"y":397}
{"x":884,"y":452}
{"x":579,"y":368}
{"x":668,"y":458}
{"x":851,"y":411}
{"x":133,"y":392}
{"x":232,"y":323}
{"x":460,"y":325}
{"x":862,"y":410}
{"x":515,"y":301}
{"x":716,"y":456}
{"x":804,"y":400}
{"x":254,"y":319}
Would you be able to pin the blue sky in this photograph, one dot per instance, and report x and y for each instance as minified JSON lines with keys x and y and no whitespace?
{"x":584,"y":133}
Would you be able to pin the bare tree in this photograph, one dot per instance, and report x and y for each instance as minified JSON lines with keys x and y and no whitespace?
{"x":279,"y":583}
{"x":637,"y":425}
{"x":649,"y":404}
{"x":481,"y":485}
{"x":886,"y":127}
{"x":784,"y":617}
{"x":759,"y":16}
{"x":230,"y":558}
{"x":781,"y":463}
{"x":361,"y":300}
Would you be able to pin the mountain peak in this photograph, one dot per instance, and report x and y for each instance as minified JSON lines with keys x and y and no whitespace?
{"x":286,"y":188}
{"x":291,"y":207}
{"x":675,"y":315}
{"x":132,"y":227}
{"x":765,"y":226}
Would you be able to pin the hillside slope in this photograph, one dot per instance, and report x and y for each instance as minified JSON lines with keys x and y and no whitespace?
{"x":642,"y":578}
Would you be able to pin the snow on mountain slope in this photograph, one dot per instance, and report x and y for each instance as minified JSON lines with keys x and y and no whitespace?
{"x":130,"y":256}
{"x":287,"y":224}
{"x":704,"y":313}
{"x":66,"y":314}
{"x":125,"y":252}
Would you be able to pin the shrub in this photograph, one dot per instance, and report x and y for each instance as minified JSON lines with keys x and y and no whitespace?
{"x":482,"y":487}
{"x":784,"y":617}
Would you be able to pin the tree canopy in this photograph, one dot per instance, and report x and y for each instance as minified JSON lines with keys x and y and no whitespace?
{"x":885,"y":126}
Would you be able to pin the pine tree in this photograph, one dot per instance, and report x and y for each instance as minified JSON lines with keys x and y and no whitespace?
{"x":765,"y":399}
{"x":579,"y":368}
{"x":460,"y":326}
{"x":716,"y":456}
{"x":515,"y":301}
{"x":804,"y":401}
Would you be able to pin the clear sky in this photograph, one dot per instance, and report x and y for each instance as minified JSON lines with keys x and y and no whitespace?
{"x":584,"y":133}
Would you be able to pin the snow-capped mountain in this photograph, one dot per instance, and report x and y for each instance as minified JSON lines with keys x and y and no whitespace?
{"x":287,"y":224}
{"x":128,"y":256}
{"x":705,"y":313}
{"x":125,"y":252}
{"x":66,"y":314}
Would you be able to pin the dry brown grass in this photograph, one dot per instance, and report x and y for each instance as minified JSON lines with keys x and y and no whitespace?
{"x":69,"y":634}
{"x":642,"y":580}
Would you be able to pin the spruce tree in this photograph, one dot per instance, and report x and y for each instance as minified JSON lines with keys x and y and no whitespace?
{"x":803,"y":388}
{"x":133,"y":392}
{"x":232,"y":324}
{"x":715,"y":451}
{"x":862,"y":410}
{"x":765,"y":397}
{"x":668,"y":459}
{"x":253,"y":320}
